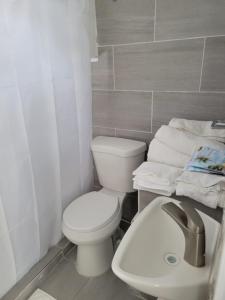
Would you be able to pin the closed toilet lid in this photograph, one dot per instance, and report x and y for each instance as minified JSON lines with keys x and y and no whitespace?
{"x":91,"y":211}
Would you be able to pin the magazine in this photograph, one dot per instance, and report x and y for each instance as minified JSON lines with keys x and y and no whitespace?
{"x":207,"y":160}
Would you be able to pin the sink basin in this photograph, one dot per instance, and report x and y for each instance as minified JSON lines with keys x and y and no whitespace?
{"x":150,"y":257}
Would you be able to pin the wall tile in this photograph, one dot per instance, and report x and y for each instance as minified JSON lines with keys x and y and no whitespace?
{"x":134,"y":135}
{"x":102,"y":71}
{"x":195,"y":106}
{"x":124,"y":110}
{"x":63,"y":282}
{"x":213,"y":75}
{"x":182,"y":18}
{"x":105,"y":131}
{"x":159,"y":66}
{"x":123,"y":21}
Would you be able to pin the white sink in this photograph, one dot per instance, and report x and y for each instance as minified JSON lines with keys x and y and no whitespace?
{"x":150,"y":256}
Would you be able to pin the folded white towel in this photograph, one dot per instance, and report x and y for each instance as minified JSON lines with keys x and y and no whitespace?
{"x":203,"y":195}
{"x":208,"y":181}
{"x":183,"y":141}
{"x":160,"y":152}
{"x":200,"y":128}
{"x":156,"y":177}
{"x":205,"y":188}
{"x":157,"y":173}
{"x":157,"y":189}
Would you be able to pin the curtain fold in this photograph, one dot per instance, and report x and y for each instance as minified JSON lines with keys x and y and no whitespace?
{"x":45,"y":125}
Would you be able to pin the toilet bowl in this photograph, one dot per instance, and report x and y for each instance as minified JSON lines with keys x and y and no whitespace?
{"x":90,"y":220}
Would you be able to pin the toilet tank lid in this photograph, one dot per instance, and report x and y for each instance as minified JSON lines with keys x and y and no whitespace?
{"x":117,"y":146}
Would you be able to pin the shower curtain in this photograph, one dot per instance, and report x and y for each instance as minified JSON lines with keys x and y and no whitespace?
{"x":45,"y":125}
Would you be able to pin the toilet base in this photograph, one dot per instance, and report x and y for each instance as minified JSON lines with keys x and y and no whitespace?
{"x":94,"y":259}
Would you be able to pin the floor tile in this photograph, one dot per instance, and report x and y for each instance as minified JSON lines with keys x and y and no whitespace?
{"x":63,"y":282}
{"x":40,"y":295}
{"x":105,"y":287}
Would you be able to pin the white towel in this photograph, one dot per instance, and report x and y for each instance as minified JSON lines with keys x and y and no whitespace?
{"x":157,"y":189}
{"x":157,"y":178}
{"x":183,"y":141}
{"x":200,"y":128}
{"x":157,"y":173}
{"x":203,"y":180}
{"x":203,"y":195}
{"x":205,"y":188}
{"x":160,"y":152}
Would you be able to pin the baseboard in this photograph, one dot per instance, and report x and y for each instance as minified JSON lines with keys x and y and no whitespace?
{"x":30,"y":282}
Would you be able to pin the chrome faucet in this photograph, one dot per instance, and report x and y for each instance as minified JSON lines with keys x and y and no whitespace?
{"x":193,"y":228}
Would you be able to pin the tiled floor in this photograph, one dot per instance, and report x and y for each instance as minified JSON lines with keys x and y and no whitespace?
{"x":64,"y":283}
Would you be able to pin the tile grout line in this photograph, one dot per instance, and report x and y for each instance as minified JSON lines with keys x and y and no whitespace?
{"x":133,"y":130}
{"x":203,"y":57}
{"x":160,"y":91}
{"x":105,"y":127}
{"x":119,"y":90}
{"x":152,"y":108}
{"x":162,"y":41}
{"x":154,"y":21}
{"x":114,"y":78}
{"x":81,"y":288}
{"x":115,"y":131}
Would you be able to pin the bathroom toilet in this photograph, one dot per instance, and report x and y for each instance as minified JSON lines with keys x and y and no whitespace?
{"x":90,"y":220}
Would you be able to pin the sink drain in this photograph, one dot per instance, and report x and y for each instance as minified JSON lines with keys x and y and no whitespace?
{"x":171,"y":259}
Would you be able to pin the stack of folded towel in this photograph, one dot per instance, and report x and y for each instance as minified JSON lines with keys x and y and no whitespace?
{"x":175,"y":146}
{"x":157,"y":178}
{"x":199,"y":128}
{"x":169,"y":153}
{"x":205,"y":188}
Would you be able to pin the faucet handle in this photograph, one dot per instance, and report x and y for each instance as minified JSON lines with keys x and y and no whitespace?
{"x":194,"y":220}
{"x":193,"y":228}
{"x":176,"y":213}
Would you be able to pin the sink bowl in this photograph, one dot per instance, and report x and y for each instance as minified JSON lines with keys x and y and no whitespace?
{"x":150,"y":257}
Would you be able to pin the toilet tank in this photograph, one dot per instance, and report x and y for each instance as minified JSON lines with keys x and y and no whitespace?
{"x":115,"y":160}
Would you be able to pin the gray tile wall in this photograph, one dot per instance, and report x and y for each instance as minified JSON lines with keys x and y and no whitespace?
{"x":158,"y":59}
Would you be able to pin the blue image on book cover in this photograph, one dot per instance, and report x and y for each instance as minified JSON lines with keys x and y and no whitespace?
{"x":207,"y":160}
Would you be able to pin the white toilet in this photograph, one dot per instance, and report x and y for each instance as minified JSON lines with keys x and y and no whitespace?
{"x":90,"y":220}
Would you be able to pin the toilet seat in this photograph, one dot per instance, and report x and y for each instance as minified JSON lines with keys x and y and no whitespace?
{"x":91,"y":212}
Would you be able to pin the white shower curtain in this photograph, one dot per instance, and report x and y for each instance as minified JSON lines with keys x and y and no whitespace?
{"x":45,"y":125}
